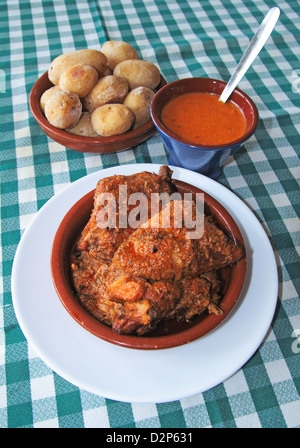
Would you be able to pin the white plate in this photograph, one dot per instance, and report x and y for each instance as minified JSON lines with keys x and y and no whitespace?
{"x":126,"y":374}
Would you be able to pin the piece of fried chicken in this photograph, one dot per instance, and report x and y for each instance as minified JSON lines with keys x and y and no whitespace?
{"x":131,"y":279}
{"x":96,"y":246}
{"x":166,"y":268}
{"x":104,"y":241}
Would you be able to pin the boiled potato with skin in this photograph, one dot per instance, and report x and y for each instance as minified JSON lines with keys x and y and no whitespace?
{"x":138,"y":73}
{"x":138,"y":101}
{"x":109,"y":89}
{"x":63,"y":109}
{"x":95,"y":58}
{"x":84,"y":126}
{"x":79,"y":79}
{"x":117,"y":51}
{"x":47,"y":95}
{"x":112,"y":119}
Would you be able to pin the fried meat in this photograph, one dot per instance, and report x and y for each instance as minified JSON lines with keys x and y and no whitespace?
{"x":131,"y":279}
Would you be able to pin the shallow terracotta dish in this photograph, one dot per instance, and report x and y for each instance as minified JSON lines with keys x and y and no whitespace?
{"x":170,"y":333}
{"x":97,"y":145}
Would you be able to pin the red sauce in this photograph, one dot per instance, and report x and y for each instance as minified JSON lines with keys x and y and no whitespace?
{"x":201,"y":119}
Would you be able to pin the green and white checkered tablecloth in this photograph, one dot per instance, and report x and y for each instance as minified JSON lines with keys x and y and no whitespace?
{"x":184,"y":38}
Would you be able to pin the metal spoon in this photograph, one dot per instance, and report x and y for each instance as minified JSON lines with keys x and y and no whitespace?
{"x":256,"y":44}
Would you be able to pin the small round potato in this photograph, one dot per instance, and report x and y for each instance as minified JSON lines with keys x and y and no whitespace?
{"x":109,"y":89}
{"x":79,"y":79}
{"x":112,"y":119}
{"x":138,"y":101}
{"x":95,"y":58}
{"x":118,"y":51}
{"x":63,"y":109}
{"x":47,"y":95}
{"x":84,"y":126}
{"x":138,"y":73}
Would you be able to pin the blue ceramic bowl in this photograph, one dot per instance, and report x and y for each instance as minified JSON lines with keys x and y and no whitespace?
{"x":207,"y":160}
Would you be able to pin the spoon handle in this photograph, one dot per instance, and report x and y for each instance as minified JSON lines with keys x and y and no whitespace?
{"x":256,"y":44}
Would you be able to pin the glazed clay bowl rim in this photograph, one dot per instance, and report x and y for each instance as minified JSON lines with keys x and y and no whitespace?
{"x":64,"y":239}
{"x":188,"y":85}
{"x":98,"y":145}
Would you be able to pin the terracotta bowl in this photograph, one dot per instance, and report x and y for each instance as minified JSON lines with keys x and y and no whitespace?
{"x":170,"y":333}
{"x":205,"y":159}
{"x":97,"y":145}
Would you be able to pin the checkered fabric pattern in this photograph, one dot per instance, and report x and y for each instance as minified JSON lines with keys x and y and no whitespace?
{"x":184,"y":38}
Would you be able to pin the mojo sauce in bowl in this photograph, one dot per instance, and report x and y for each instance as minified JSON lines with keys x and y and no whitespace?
{"x":201,"y":118}
{"x":205,"y":158}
